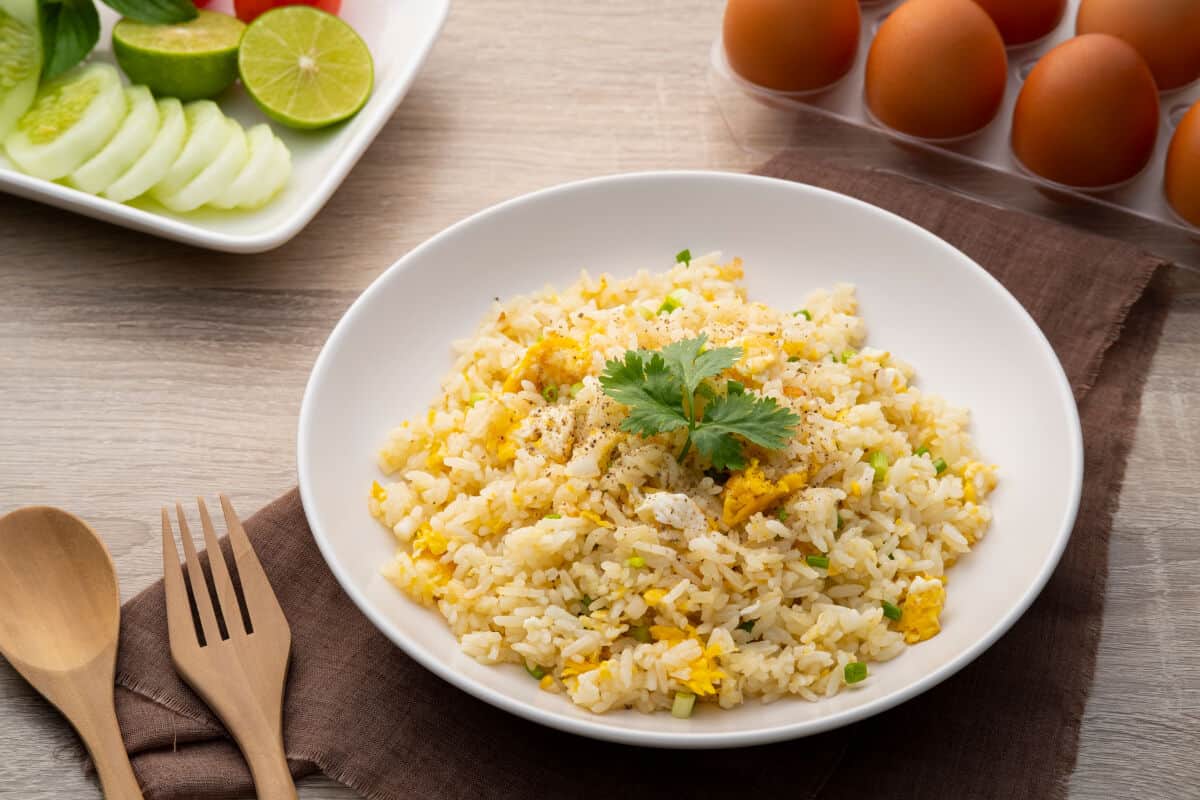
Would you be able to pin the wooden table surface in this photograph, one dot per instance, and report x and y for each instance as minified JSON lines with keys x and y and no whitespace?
{"x":135,"y":371}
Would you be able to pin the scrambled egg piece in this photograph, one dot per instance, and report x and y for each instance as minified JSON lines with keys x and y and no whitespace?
{"x":732,"y":271}
{"x":653,"y":597}
{"x":378,"y":493}
{"x":427,"y":540}
{"x":795,"y":348}
{"x":572,"y":671}
{"x":702,"y":673}
{"x":423,"y":577}
{"x":596,"y":519}
{"x":499,"y":437}
{"x":669,"y":633}
{"x":552,"y":429}
{"x":758,"y":354}
{"x":579,"y":667}
{"x":674,"y":510}
{"x":921,"y":609}
{"x":978,"y":480}
{"x":750,"y":491}
{"x":556,"y":359}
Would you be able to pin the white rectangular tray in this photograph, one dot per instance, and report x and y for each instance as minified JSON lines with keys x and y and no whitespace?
{"x":762,"y":121}
{"x":399,"y":34}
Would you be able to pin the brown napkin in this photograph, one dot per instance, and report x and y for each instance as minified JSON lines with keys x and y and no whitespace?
{"x":1007,"y":726}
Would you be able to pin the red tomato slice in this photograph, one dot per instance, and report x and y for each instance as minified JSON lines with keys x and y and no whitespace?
{"x":247,"y":10}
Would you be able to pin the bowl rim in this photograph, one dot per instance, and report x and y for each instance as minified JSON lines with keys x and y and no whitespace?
{"x":683,"y":739}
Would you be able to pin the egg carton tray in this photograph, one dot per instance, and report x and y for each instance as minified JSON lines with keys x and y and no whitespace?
{"x":762,"y":121}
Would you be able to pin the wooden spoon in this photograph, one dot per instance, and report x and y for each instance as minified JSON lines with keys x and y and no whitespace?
{"x":59,"y":614}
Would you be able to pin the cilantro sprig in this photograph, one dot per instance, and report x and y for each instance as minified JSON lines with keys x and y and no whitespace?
{"x":667,"y":390}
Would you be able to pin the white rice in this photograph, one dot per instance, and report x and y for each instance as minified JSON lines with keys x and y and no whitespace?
{"x":516,"y":512}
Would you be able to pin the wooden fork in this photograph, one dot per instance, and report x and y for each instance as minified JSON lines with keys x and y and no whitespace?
{"x":241,"y":675}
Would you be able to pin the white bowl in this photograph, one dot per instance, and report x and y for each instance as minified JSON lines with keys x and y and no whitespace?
{"x":967,"y":337}
{"x":399,"y":34}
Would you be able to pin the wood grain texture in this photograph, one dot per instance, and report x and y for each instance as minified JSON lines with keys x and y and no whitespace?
{"x":135,"y":371}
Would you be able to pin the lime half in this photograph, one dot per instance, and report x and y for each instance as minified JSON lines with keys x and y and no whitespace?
{"x":190,"y":60}
{"x":305,"y":68}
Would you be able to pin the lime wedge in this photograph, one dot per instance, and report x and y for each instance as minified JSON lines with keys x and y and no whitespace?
{"x":20,"y":60}
{"x":305,"y":68}
{"x":190,"y":60}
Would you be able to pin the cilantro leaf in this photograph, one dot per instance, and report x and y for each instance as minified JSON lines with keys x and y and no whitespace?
{"x":760,"y":420}
{"x":661,"y":388}
{"x":652,"y":392}
{"x":757,"y":419}
{"x":691,"y":366}
{"x":722,"y":449}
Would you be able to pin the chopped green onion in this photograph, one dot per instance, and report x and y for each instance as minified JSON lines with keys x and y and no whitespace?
{"x":637,"y":562}
{"x":747,"y":626}
{"x":552,"y":516}
{"x":818,"y":562}
{"x":855,"y":671}
{"x":640,"y":632}
{"x":535,"y":672}
{"x":839,"y":522}
{"x":891,"y":611}
{"x":920,"y":451}
{"x":584,"y":603}
{"x":783,"y":515}
{"x":847,"y":355}
{"x":669,"y":305}
{"x":550,"y":393}
{"x":475,"y":398}
{"x":575,"y":387}
{"x":794,"y":359}
{"x":878,"y":462}
{"x":684,"y":257}
{"x":940,"y":465}
{"x":734,"y":387}
{"x":683,"y":705}
{"x":803,"y":313}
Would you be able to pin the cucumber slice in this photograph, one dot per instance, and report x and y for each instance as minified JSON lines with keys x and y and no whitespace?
{"x":216,"y":178}
{"x":153,"y":165}
{"x":72,"y":118}
{"x":266,"y":170}
{"x":20,"y":60}
{"x":207,"y":134}
{"x":281,"y":173}
{"x":126,"y":146}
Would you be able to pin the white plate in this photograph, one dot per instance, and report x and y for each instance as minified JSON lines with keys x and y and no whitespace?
{"x":965,"y":334}
{"x":399,"y":34}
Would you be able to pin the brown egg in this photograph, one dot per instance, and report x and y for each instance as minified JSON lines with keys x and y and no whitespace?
{"x":1087,"y":115}
{"x":1165,"y":32}
{"x":791,"y":45}
{"x":936,"y":69}
{"x":1182,"y":177}
{"x":1024,"y":21}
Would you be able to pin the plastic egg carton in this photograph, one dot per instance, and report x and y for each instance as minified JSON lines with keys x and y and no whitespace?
{"x":760,"y":121}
